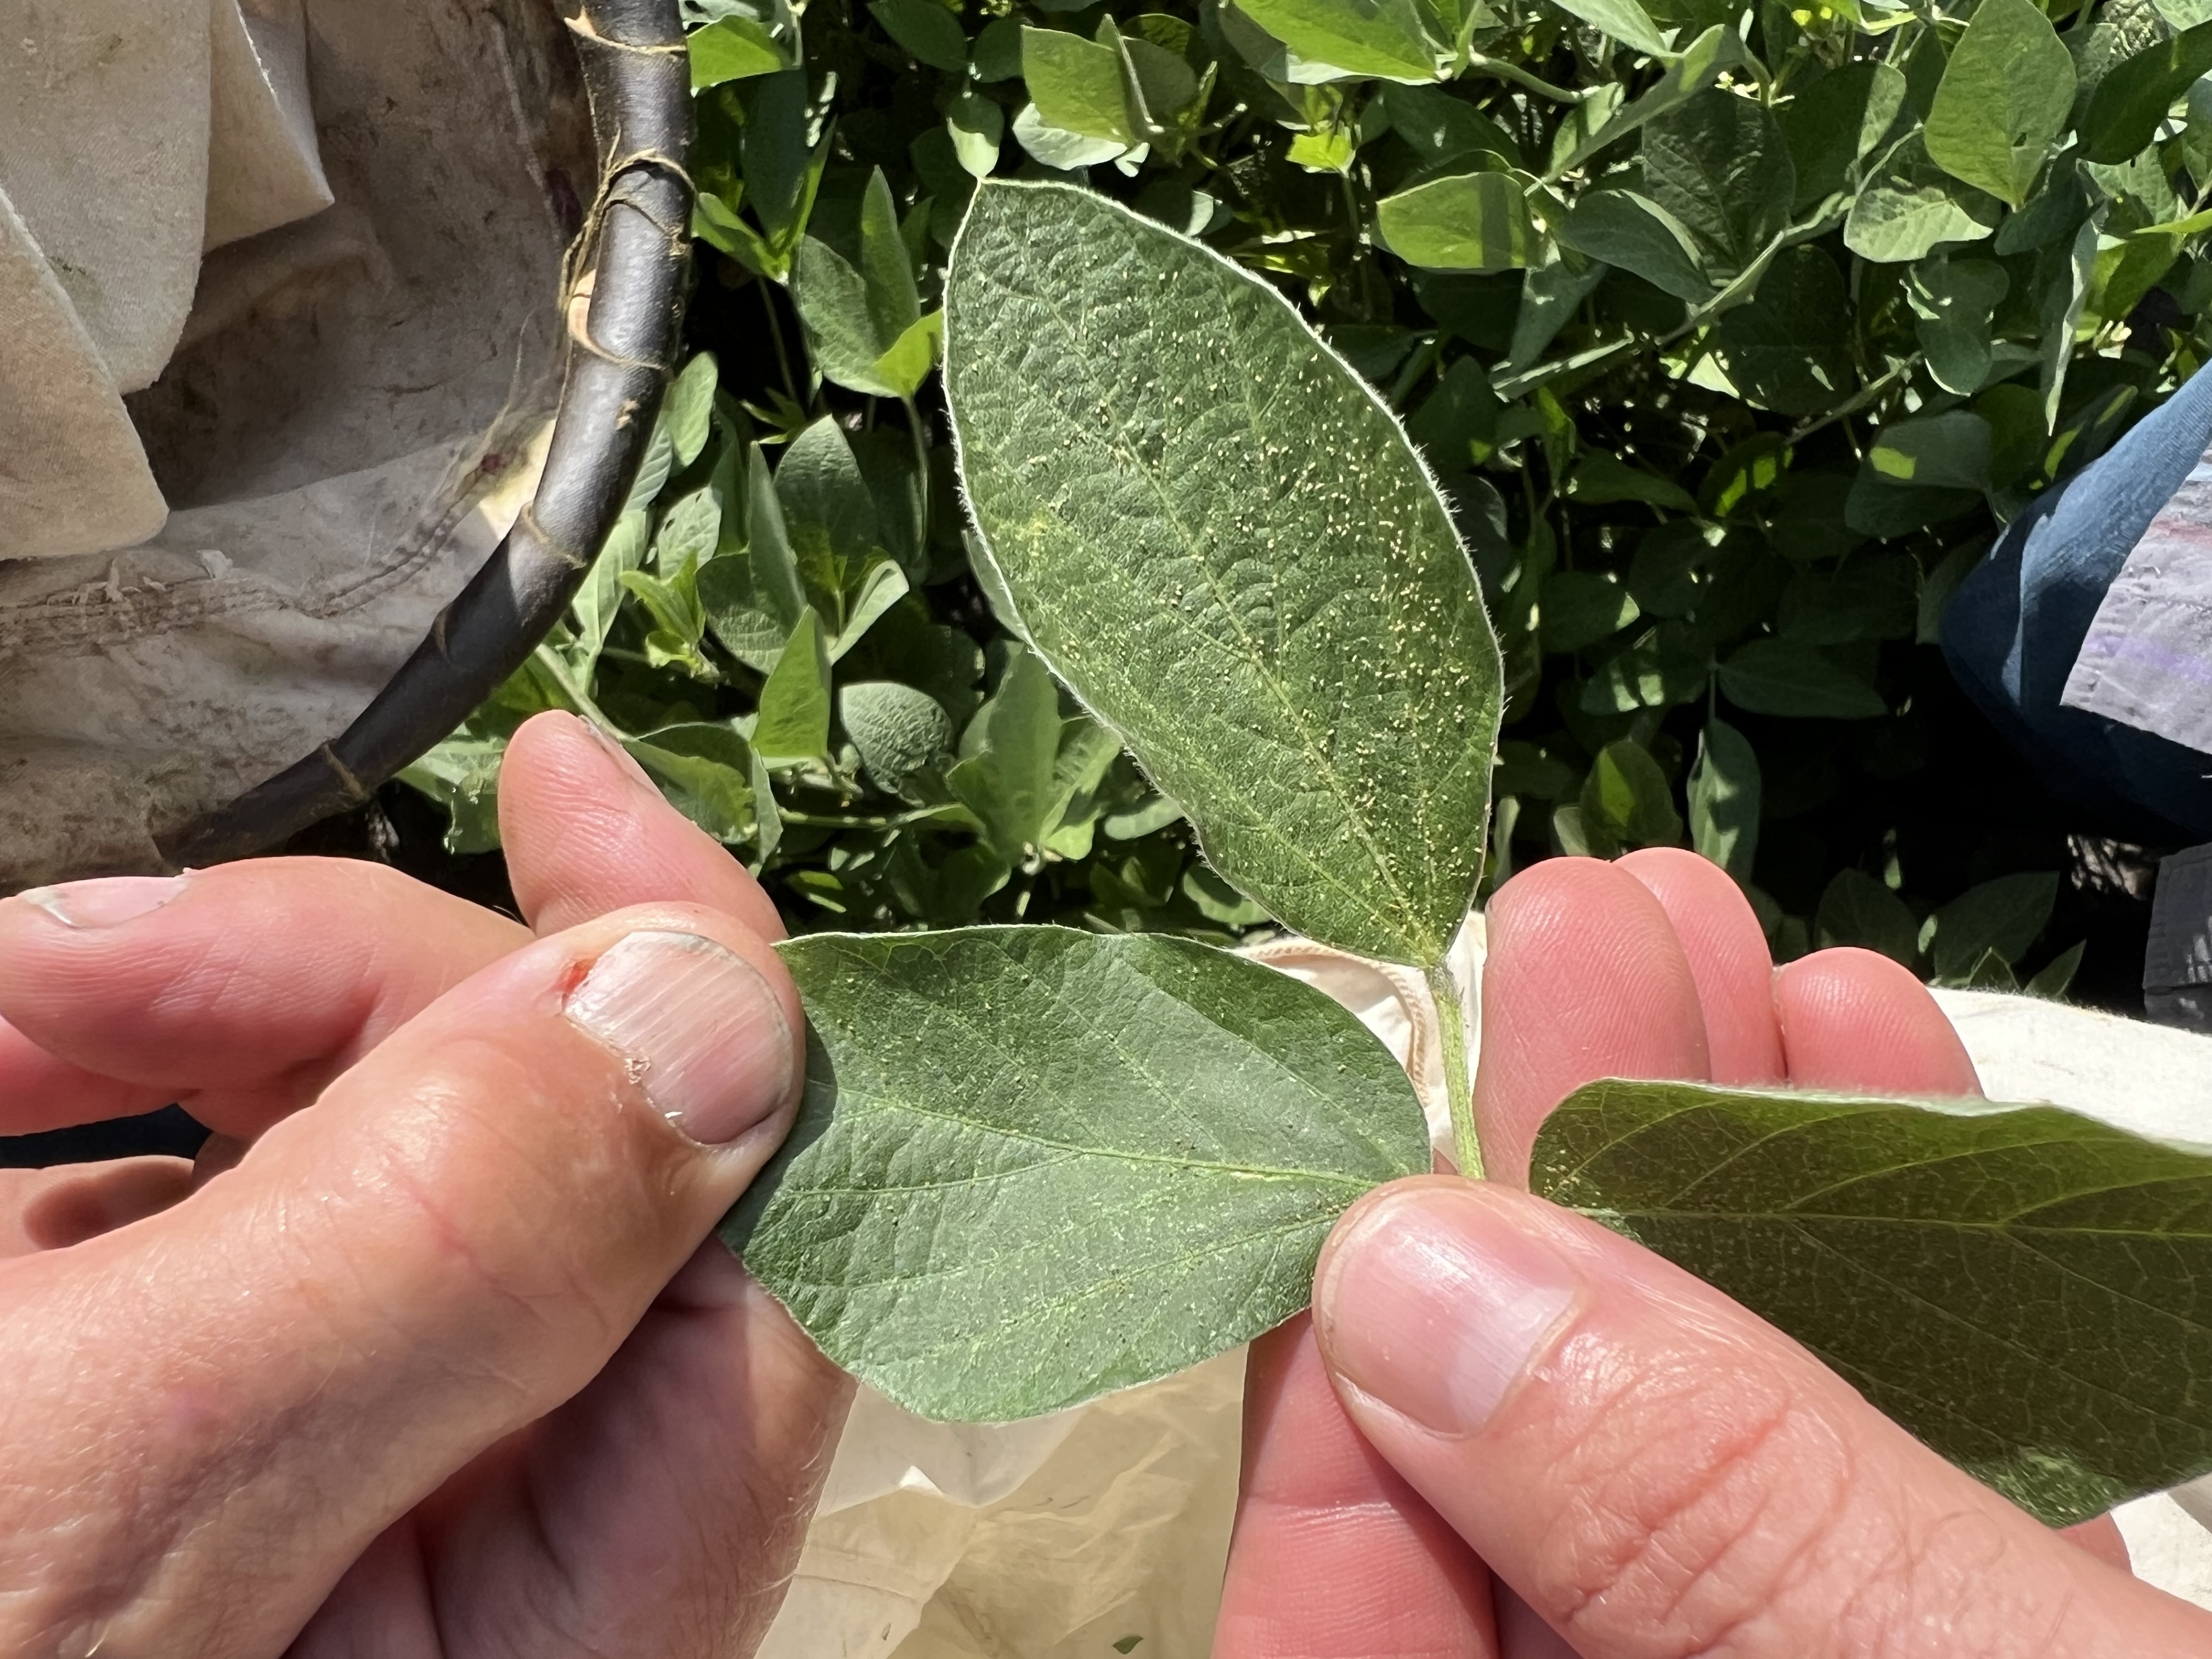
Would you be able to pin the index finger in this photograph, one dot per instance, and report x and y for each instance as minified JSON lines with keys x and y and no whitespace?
{"x":1585,"y":979}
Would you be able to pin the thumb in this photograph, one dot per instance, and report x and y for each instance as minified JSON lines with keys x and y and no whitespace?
{"x":449,"y":1243}
{"x":1657,"y":1473}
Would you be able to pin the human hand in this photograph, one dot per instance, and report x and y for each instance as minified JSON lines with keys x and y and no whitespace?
{"x":1508,"y":1432}
{"x":441,"y":1367}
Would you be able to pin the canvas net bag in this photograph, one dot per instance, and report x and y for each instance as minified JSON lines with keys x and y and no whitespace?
{"x":284,"y":330}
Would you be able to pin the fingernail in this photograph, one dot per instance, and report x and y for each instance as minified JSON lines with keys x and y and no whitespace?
{"x":107,"y":902}
{"x":626,"y":761}
{"x":1435,"y":1304}
{"x":701,"y":1030}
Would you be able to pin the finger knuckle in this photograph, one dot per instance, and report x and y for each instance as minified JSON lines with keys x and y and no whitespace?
{"x":1695,"y":1504}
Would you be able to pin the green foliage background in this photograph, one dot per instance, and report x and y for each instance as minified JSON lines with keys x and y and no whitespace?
{"x":1733,"y":335}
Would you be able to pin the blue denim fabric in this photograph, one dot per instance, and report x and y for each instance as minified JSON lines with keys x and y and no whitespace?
{"x":2017,"y":622}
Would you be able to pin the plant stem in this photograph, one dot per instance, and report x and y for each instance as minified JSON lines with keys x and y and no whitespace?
{"x":1458,"y":1089}
{"x":557,"y":670}
{"x":1867,"y":394}
{"x":921,"y":462}
{"x":775,"y":335}
{"x":1520,"y":77}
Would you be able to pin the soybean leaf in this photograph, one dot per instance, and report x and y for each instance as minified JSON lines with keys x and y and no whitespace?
{"x":768,"y":818}
{"x":1935,"y":451}
{"x":2004,"y":916}
{"x":1580,"y":607}
{"x":1857,"y":909}
{"x":1666,"y":667}
{"x":1441,"y":128}
{"x":732,"y":48}
{"x":1790,"y":349}
{"x":977,"y":124}
{"x":591,"y":613}
{"x":2054,"y":211}
{"x":690,"y":530}
{"x":749,"y":634}
{"x":882,"y":587}
{"x":1953,"y":300}
{"x":832,"y":299}
{"x":1631,"y":231}
{"x":1910,"y":206}
{"x":899,"y":731}
{"x":1076,"y":85}
{"x":1006,"y":775}
{"x":2066,"y":290}
{"x":2027,"y":1291}
{"x":706,"y":771}
{"x":2130,"y":102}
{"x":1720,"y":165}
{"x":1381,"y":37}
{"x":1724,"y":798}
{"x":1663,"y":574}
{"x":2004,"y":98}
{"x":782,"y":157}
{"x":930,"y":32}
{"x":1461,"y":412}
{"x":1468,"y":222}
{"x":912,"y":355}
{"x":1056,"y":147}
{"x":856,"y":318}
{"x":774,"y":565}
{"x":1218,"y":901}
{"x":1624,"y":20}
{"x":1549,"y":295}
{"x":2051,"y":982}
{"x":885,"y":264}
{"x":1836,"y":123}
{"x":1627,"y":799}
{"x":1990,"y":972}
{"x":829,"y":517}
{"x":1330,"y":151}
{"x":754,"y":599}
{"x":1163,"y":88}
{"x":795,"y":702}
{"x":1773,"y":677}
{"x":1261,"y":592}
{"x":987,"y":1221}
{"x":1602,"y":476}
{"x":2123,"y":28}
{"x":462,"y":775}
{"x":678,"y":623}
{"x":686,"y":413}
{"x":1937,"y":587}
{"x":1876,"y":507}
{"x":1588,"y":128}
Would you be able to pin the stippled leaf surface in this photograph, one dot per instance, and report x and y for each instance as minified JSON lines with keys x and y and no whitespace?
{"x":1215,"y":534}
{"x":2028,"y":1291}
{"x":1033,"y":1165}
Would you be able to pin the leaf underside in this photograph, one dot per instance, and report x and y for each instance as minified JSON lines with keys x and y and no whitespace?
{"x":1218,"y":536}
{"x":2027,"y":1291}
{"x":1033,"y":1164}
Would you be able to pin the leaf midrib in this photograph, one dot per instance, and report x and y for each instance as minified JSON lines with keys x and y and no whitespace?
{"x":993,"y":1038}
{"x":865,"y":1101}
